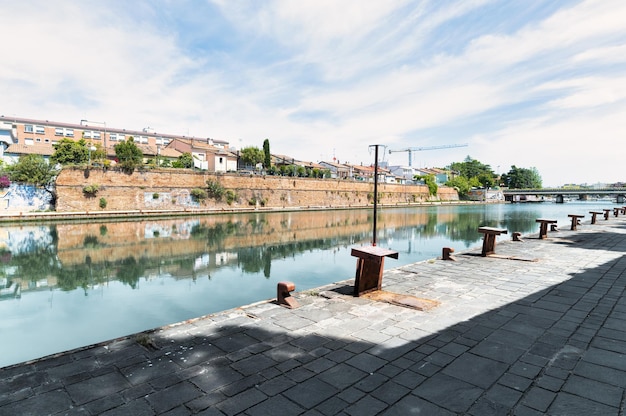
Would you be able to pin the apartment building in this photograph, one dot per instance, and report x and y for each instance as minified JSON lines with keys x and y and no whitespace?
{"x":19,"y":136}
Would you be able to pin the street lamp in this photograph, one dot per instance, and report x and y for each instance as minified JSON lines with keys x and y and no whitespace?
{"x":90,"y":149}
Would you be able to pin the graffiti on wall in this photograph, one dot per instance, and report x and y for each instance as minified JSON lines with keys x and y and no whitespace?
{"x":18,"y":197}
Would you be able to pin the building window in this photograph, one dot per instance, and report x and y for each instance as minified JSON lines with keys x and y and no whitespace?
{"x":40,"y":130}
{"x":69,"y":132}
{"x":87,"y":134}
{"x":96,"y":135}
{"x":38,"y":139}
{"x":28,"y":128}
{"x":29,"y":142}
{"x":46,"y":140}
{"x":58,"y":131}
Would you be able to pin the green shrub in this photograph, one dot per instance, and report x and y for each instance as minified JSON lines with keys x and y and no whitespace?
{"x":198,"y":194}
{"x":91,"y":190}
{"x":215,"y":190}
{"x":230,"y":197}
{"x":103,"y":203}
{"x":155,"y":195}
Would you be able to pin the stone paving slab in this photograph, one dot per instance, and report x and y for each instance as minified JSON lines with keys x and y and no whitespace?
{"x":537,"y":329}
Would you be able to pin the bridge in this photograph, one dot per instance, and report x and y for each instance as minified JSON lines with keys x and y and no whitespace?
{"x":519,"y":195}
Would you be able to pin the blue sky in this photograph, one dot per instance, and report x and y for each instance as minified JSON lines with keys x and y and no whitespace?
{"x":528,"y":83}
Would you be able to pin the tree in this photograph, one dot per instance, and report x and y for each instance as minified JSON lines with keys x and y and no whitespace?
{"x":461,"y":184}
{"x":267,"y":161}
{"x":128,"y":154}
{"x":475,"y":173}
{"x":70,"y":152}
{"x":35,"y":170}
{"x":522,"y":178}
{"x":472,"y":168}
{"x":251,"y":156}
{"x":430,"y":181}
{"x":184,"y":161}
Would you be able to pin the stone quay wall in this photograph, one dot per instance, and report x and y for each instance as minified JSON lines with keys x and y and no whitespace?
{"x":171,"y":189}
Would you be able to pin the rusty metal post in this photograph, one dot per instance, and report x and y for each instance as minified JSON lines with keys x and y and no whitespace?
{"x":447,"y":253}
{"x":517,"y":236}
{"x":283,"y":297}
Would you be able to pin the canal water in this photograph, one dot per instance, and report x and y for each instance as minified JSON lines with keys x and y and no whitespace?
{"x":67,"y":285}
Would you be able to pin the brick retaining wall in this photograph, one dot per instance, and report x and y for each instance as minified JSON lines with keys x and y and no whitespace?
{"x":170,"y":189}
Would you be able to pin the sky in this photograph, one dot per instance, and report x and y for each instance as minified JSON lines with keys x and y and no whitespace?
{"x":531,"y":83}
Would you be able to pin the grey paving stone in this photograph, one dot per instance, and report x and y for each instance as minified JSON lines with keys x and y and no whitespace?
{"x":332,"y":406}
{"x":342,"y":376}
{"x":135,"y":408}
{"x":173,"y":396}
{"x":479,"y":371}
{"x":97,"y":387}
{"x":368,"y":405}
{"x":310,"y":392}
{"x":449,"y":392}
{"x":47,"y":403}
{"x":570,"y":405}
{"x":274,"y":406}
{"x":415,"y":405}
{"x":500,"y":350}
{"x":538,"y":398}
{"x":242,"y":401}
{"x":594,"y":390}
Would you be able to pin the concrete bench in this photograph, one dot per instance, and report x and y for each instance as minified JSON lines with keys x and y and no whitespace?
{"x":489,"y":241}
{"x":543,"y":227}
{"x":575,"y":220}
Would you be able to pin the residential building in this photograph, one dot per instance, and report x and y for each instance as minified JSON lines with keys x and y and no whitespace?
{"x":206,"y":154}
{"x":20,"y":136}
{"x":337,"y":170}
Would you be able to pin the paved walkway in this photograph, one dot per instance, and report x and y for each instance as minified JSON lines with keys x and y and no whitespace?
{"x":538,"y":329}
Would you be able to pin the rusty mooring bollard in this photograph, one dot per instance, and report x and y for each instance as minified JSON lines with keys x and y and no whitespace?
{"x":517,"y":236}
{"x":447,"y":253}
{"x":283,"y":296}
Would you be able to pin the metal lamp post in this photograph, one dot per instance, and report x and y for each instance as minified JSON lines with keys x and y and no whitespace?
{"x":90,"y":149}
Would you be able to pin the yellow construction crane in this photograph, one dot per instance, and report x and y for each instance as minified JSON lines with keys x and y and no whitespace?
{"x":410,"y":150}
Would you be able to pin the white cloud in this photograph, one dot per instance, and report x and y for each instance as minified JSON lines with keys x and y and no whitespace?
{"x":324,"y":78}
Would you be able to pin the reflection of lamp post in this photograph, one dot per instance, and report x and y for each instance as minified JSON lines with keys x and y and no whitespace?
{"x":90,"y":149}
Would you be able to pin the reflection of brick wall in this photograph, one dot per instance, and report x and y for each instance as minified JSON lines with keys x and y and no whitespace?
{"x":169,"y":189}
{"x":114,"y":241}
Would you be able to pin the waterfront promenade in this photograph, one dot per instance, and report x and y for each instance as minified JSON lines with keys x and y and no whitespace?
{"x":536,"y":329}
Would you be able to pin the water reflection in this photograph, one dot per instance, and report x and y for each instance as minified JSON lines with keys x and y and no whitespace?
{"x":132,"y":276}
{"x":71,"y":256}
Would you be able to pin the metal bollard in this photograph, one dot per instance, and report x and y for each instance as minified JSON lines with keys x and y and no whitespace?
{"x":517,"y":236}
{"x":447,"y":253}
{"x":283,"y":296}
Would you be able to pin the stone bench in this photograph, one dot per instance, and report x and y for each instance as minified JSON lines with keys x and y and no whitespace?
{"x":489,"y":241}
{"x":543,"y":227}
{"x":575,"y":220}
